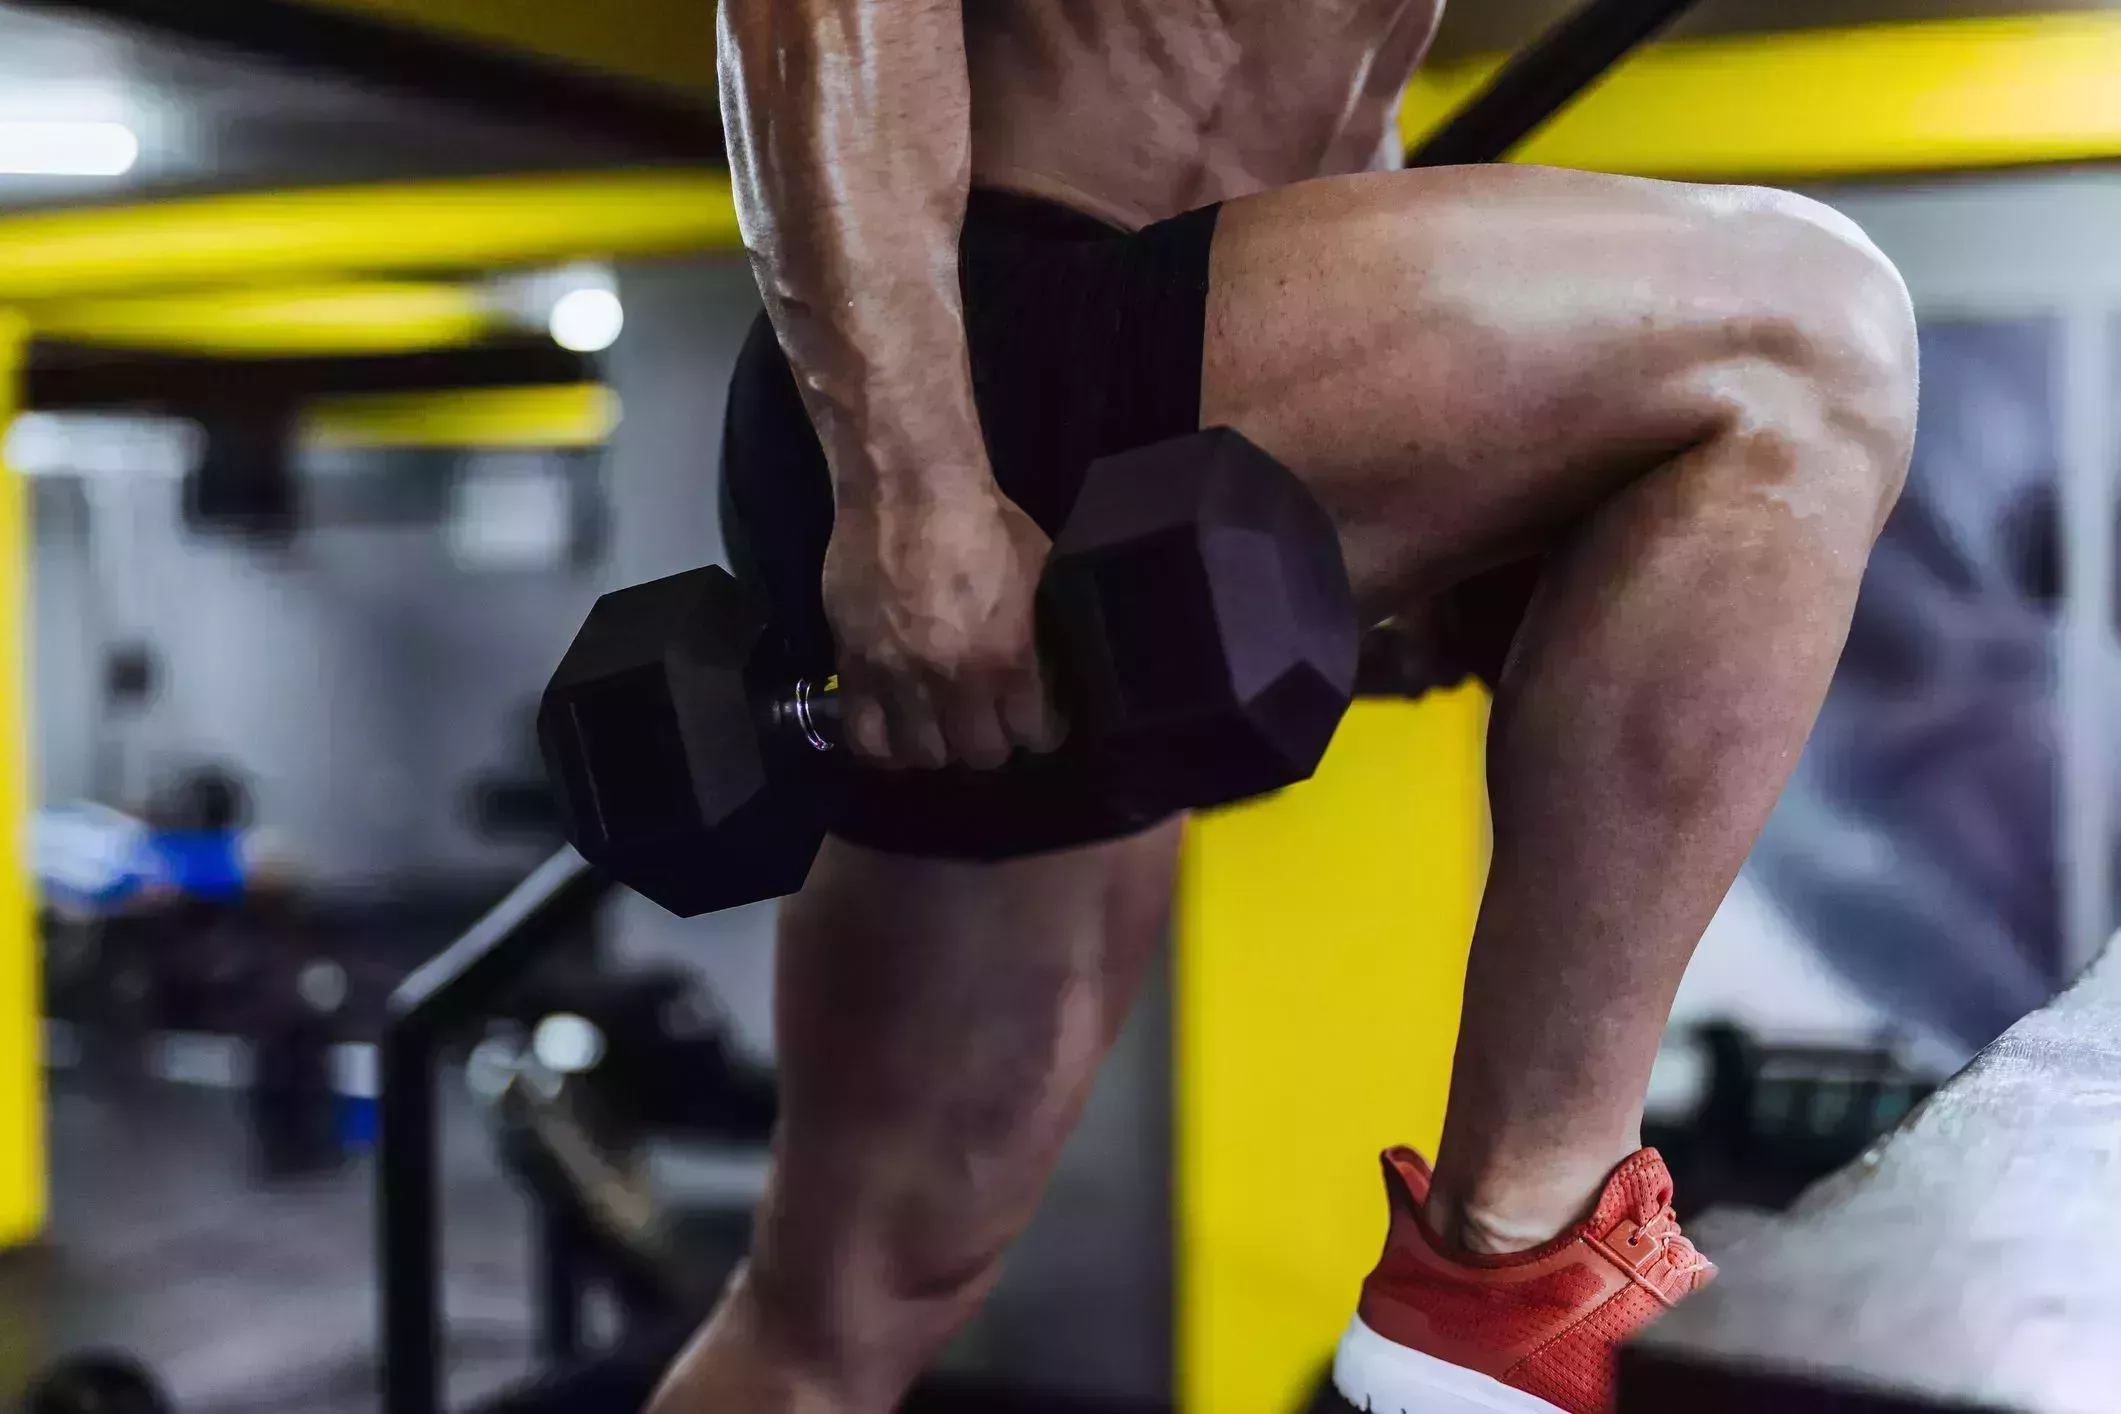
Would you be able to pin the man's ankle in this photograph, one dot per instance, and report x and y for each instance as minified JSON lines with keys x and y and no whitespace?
{"x":1463,"y":1227}
{"x":1517,"y":1209}
{"x":743,"y":1360}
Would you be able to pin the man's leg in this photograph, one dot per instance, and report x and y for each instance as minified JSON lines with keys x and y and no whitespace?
{"x":1699,"y":404}
{"x":939,"y":1026}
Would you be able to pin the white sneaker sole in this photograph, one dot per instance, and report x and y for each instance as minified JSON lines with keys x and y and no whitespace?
{"x":1377,"y":1376}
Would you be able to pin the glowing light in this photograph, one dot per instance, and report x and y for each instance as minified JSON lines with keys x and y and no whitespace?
{"x":567,"y":1044}
{"x":587,"y":321}
{"x":67,"y":149}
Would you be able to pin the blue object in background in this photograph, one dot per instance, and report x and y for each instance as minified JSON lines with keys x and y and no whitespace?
{"x":199,"y":864}
{"x":357,"y":1122}
{"x":90,"y":856}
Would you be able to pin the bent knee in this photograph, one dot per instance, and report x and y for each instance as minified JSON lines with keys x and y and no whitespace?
{"x":1827,"y":378}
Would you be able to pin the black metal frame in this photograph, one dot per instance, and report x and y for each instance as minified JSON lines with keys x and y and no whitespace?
{"x":559,"y":1262}
{"x":637,"y":121}
{"x":558,"y":901}
{"x":1543,"y":78}
{"x":1532,"y":87}
{"x":64,"y":377}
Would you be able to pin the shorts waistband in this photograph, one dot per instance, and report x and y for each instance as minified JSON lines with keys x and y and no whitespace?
{"x":1034,"y":216}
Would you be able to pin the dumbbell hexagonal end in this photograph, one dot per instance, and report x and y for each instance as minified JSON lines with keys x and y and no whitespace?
{"x":1200,"y":611}
{"x":663,"y":776}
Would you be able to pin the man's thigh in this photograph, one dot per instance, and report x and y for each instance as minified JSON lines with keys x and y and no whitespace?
{"x":1462,"y":362}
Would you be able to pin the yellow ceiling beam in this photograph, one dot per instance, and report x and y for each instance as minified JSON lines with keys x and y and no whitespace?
{"x":409,"y":228}
{"x":345,"y":319}
{"x":1939,"y":95}
{"x":664,"y":42}
{"x":562,"y":415}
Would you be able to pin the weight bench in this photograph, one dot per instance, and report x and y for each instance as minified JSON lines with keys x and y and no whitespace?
{"x":1972,"y":1261}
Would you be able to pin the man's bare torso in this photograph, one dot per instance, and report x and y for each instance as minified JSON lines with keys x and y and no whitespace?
{"x":1135,"y":110}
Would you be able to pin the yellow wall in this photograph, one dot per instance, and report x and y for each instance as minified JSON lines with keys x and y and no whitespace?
{"x":667,"y":42}
{"x":22,"y":1181}
{"x":1322,"y":939}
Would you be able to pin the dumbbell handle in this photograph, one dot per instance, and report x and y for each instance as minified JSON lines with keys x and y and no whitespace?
{"x":808,"y":711}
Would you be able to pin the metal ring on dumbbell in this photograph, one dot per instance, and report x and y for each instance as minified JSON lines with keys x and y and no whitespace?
{"x":805,"y":721}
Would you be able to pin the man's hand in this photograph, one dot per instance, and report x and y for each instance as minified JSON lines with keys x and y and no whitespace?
{"x":850,"y":147}
{"x":932,"y":607}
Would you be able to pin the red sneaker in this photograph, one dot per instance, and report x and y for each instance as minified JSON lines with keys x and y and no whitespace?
{"x":1444,"y":1332}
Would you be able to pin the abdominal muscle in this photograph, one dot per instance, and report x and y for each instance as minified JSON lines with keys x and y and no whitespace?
{"x":1138,"y":110}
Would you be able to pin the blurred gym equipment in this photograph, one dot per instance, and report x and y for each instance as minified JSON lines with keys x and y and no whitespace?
{"x":97,"y":1382}
{"x":586,"y":1145}
{"x":1772,"y":1119}
{"x":293,"y":1095}
{"x":432,"y":1009}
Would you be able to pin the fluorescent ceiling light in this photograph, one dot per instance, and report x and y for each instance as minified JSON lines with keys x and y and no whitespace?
{"x":67,"y":149}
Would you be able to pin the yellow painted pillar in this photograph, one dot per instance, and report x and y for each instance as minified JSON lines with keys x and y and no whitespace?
{"x":22,"y":1173}
{"x":1322,"y":938}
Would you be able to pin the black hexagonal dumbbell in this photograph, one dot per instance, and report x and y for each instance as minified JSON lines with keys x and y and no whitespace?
{"x":1195,"y":619}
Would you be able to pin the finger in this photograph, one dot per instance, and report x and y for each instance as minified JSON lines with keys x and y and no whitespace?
{"x":916,"y":734}
{"x":868,"y":726}
{"x":1028,"y":714}
{"x":973,"y":729}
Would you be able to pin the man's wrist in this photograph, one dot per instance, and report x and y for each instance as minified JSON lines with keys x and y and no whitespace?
{"x":910,"y":468}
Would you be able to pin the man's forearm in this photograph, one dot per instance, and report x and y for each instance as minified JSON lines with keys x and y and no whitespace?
{"x":850,"y":141}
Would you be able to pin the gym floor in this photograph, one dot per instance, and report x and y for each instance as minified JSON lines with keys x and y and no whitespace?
{"x":246,"y":1299}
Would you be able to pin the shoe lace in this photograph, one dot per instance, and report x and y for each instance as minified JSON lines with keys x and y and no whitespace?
{"x":1661,"y":1228}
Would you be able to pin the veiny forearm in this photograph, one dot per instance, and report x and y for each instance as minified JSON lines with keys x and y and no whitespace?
{"x":850,"y":143}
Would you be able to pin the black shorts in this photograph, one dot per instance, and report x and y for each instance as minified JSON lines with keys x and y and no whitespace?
{"x":1086,"y":341}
